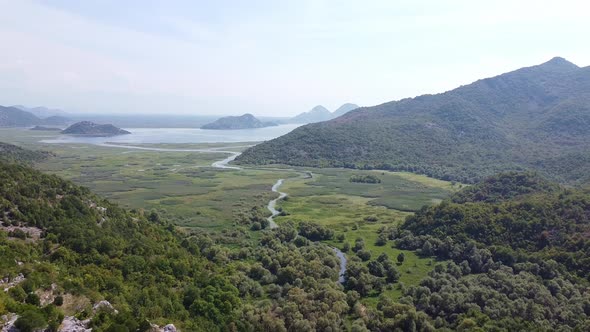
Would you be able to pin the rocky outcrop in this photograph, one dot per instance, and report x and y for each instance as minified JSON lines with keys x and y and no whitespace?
{"x":73,"y":324}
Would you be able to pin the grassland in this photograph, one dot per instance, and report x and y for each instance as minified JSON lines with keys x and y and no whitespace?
{"x":184,"y":188}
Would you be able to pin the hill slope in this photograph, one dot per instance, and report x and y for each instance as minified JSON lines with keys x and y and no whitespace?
{"x":92,"y":129}
{"x":517,"y":211}
{"x":246,"y":121}
{"x":345,"y":108}
{"x":13,"y":153}
{"x":14,"y":117}
{"x":531,"y":118}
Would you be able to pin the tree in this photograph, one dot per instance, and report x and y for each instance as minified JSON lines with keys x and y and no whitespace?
{"x":401,"y":257}
{"x":427,"y":249}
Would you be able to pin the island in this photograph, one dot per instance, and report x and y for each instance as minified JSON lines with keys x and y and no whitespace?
{"x":246,"y":121}
{"x":87,"y":128}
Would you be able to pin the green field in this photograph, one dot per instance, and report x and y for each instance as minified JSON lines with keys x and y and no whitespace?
{"x":183,"y":188}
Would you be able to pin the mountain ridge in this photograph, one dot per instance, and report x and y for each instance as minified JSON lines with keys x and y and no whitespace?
{"x":518,"y":120}
{"x":319,"y":113}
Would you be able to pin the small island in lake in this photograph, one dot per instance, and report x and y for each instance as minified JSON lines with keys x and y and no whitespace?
{"x":246,"y":121}
{"x":87,"y":128}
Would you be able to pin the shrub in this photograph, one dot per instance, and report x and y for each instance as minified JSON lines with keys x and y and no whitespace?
{"x":59,"y":300}
{"x":30,"y":321}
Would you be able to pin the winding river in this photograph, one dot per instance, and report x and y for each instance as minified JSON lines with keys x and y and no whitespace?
{"x":273,"y":203}
{"x":272,"y":224}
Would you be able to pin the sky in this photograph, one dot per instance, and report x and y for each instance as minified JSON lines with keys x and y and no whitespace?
{"x":271,"y":58}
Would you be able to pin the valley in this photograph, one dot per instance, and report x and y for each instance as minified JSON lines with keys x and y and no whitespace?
{"x":191,"y":186}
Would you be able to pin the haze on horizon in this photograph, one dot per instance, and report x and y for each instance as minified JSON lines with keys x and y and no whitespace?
{"x":270,"y":58}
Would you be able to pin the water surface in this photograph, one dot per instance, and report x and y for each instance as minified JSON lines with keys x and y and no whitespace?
{"x":181,"y":135}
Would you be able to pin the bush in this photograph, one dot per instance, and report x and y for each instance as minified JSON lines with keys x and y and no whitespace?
{"x":369,"y":178}
{"x":365,"y":255}
{"x":59,"y":300}
{"x":401,"y":257}
{"x":30,"y":321}
{"x":33,"y":299}
{"x":315,"y":232}
{"x":18,"y":233}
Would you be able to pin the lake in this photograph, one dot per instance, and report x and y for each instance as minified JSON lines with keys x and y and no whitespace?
{"x":182,"y":135}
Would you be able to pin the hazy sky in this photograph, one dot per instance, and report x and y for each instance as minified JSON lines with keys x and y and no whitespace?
{"x":269,"y":57}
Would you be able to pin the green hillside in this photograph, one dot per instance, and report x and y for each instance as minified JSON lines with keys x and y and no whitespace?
{"x":532,"y":118}
{"x":13,"y":153}
{"x":510,"y":253}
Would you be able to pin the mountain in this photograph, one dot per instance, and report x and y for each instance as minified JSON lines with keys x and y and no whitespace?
{"x":14,"y":117}
{"x":42,"y":112}
{"x":317,"y":114}
{"x":88,"y":128}
{"x":56,"y":120}
{"x":345,"y":108}
{"x":320,"y":113}
{"x":532,"y":118}
{"x":17,"y":117}
{"x":246,"y":121}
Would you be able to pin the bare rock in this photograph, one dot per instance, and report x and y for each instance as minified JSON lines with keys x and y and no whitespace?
{"x":104,"y":305}
{"x":7,"y":322}
{"x":73,"y":324}
{"x":169,"y":328}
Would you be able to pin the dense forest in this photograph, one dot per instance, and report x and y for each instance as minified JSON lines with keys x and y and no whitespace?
{"x":517,"y":251}
{"x":510,"y":253}
{"x":534,"y":118}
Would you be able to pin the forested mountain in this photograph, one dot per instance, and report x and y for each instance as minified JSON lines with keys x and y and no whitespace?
{"x":246,"y":121}
{"x":87,"y":128}
{"x":532,"y":118}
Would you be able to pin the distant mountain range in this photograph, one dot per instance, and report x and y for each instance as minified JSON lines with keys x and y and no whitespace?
{"x":42,"y":112}
{"x":533,"y":118}
{"x":87,"y":128}
{"x":15,"y":117}
{"x":320,"y":113}
{"x":246,"y":121}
